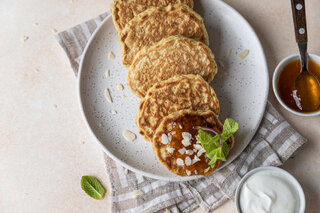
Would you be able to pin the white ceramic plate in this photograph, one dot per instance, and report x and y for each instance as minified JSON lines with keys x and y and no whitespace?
{"x":242,"y":92}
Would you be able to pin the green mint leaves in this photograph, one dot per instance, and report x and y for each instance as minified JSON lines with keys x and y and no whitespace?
{"x":215,"y":145}
{"x":92,"y":187}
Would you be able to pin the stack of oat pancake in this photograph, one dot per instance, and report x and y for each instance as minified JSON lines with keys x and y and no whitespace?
{"x":165,"y":46}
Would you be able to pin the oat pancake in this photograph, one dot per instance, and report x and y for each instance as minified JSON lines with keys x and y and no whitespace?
{"x":175,"y":144}
{"x":171,"y":56}
{"x":124,"y":10}
{"x":169,"y":96}
{"x":157,"y":23}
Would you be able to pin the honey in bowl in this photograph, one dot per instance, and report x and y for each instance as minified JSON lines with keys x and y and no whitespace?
{"x":286,"y":83}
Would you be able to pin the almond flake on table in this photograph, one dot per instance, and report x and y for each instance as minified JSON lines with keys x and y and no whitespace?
{"x":111,"y":55}
{"x":24,"y":38}
{"x":107,"y":95}
{"x":54,"y":30}
{"x":55,"y":106}
{"x":242,"y":55}
{"x":123,"y":96}
{"x":167,"y":211}
{"x":126,"y":171}
{"x":35,"y":24}
{"x":114,"y":112}
{"x":107,"y":73}
{"x":137,"y":193}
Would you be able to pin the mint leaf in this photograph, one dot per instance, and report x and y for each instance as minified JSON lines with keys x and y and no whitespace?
{"x":229,"y":128}
{"x":216,"y":146}
{"x":208,"y":140}
{"x":92,"y":187}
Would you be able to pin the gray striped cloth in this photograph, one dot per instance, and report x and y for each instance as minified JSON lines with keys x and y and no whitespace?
{"x":273,"y":144}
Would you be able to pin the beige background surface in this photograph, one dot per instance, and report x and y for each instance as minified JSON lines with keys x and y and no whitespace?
{"x":44,"y":150}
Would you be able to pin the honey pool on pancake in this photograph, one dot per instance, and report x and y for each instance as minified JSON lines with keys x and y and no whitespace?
{"x":286,"y":81}
{"x":187,"y":124}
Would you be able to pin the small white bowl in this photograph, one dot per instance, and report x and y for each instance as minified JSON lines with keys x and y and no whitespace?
{"x":275,"y":80}
{"x":282,"y":172}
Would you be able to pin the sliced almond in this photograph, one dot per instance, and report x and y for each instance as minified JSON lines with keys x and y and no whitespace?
{"x":164,"y":139}
{"x":107,"y":95}
{"x":107,"y":73}
{"x":128,"y":135}
{"x":242,"y":55}
{"x":180,"y":162}
{"x":188,"y":172}
{"x":207,"y":169}
{"x":182,"y":150}
{"x":187,"y":161}
{"x":200,"y":152}
{"x":137,"y":193}
{"x":189,"y":152}
{"x":111,"y":55}
{"x":120,"y":87}
{"x":170,"y":149}
{"x":114,"y":112}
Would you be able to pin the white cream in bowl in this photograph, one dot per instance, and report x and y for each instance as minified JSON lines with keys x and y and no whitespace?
{"x":269,"y":190}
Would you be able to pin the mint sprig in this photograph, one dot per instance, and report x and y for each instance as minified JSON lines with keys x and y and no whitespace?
{"x":92,"y":187}
{"x":215,"y":144}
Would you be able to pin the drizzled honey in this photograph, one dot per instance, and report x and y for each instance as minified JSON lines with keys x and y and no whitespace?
{"x":187,"y":124}
{"x":286,"y":83}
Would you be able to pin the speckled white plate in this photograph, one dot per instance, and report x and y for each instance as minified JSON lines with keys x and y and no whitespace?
{"x":242,"y":92}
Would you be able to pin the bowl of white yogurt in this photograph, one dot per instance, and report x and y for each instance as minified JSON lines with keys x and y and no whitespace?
{"x":269,"y":189}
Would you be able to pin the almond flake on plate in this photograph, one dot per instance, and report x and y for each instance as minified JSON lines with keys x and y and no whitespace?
{"x":137,"y":192}
{"x":123,"y":96}
{"x":107,"y":74}
{"x":167,"y":211}
{"x":114,"y":112}
{"x":242,"y":55}
{"x":120,"y":87}
{"x":107,"y":95}
{"x":111,"y":55}
{"x":128,"y":135}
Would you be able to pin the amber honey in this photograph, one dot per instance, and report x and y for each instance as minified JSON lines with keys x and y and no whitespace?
{"x":286,"y":83}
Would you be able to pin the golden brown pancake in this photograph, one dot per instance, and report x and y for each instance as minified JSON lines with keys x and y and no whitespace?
{"x":175,"y":55}
{"x":124,"y":10}
{"x":175,"y":144}
{"x":172,"y":95}
{"x":157,"y":23}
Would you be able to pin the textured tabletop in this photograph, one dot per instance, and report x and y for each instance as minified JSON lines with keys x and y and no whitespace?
{"x":45,"y":147}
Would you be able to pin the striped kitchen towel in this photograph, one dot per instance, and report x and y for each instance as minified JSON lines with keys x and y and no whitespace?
{"x":274,"y":142}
